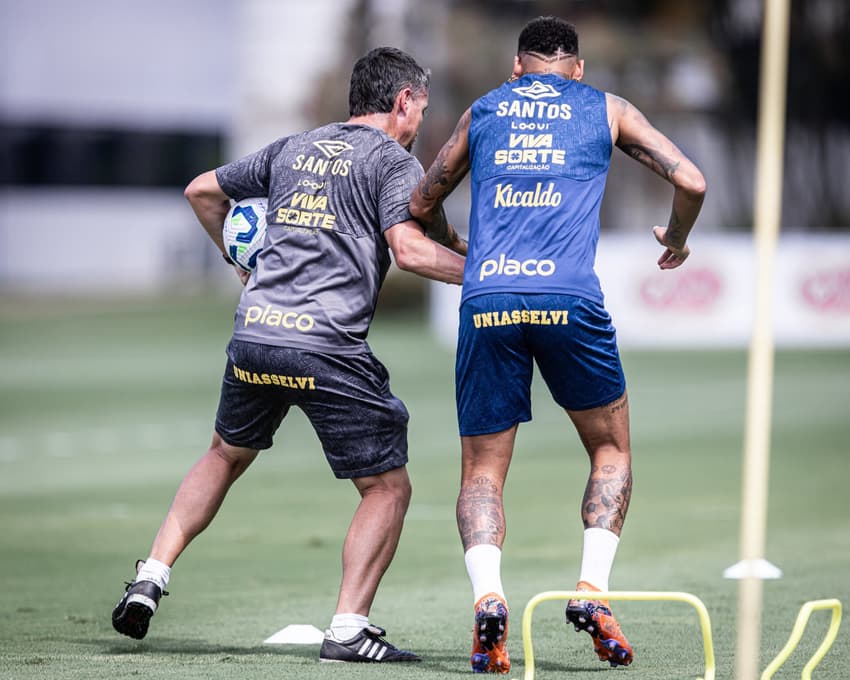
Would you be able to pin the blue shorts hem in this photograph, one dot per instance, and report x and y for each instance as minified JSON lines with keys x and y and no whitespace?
{"x":492,"y":429}
{"x":594,"y":404}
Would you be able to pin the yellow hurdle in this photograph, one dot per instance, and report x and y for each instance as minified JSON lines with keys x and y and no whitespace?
{"x":797,"y":633}
{"x":639,"y":595}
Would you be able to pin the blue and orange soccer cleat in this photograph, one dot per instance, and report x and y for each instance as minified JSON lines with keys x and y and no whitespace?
{"x":595,"y":617}
{"x":490,"y":636}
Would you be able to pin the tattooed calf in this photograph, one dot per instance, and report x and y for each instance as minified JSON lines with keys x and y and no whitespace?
{"x":606,"y":498}
{"x":480,"y":516}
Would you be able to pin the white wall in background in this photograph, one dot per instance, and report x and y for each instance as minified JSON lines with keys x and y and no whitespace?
{"x":101,"y":241}
{"x":99,"y":62}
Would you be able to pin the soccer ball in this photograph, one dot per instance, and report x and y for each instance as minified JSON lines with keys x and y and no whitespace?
{"x":244,"y":231}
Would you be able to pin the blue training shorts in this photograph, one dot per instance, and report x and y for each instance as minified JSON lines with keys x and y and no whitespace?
{"x":362,"y":425}
{"x":502,"y":335}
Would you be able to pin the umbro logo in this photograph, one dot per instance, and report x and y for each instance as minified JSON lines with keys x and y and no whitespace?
{"x":331,"y":147}
{"x":537,"y":90}
{"x":372,"y":649}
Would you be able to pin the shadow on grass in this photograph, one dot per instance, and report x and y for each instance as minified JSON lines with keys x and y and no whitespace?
{"x":196,"y":647}
{"x":433,"y":660}
{"x":436,"y":661}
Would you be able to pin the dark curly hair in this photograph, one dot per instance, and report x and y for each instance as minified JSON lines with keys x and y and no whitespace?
{"x":546,"y":35}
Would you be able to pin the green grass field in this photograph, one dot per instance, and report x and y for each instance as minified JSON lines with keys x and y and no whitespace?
{"x":104,"y":406}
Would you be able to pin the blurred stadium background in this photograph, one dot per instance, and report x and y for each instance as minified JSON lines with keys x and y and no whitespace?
{"x":115,"y":309}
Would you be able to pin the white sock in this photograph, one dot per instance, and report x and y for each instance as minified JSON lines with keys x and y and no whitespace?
{"x":484,"y":566}
{"x":346,"y":626}
{"x":156,"y":571}
{"x":597,"y":557}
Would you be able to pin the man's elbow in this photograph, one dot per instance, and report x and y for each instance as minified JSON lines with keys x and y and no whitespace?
{"x":407,"y":261}
{"x":408,"y":257}
{"x":203,"y":187}
{"x":194,"y":190}
{"x":694,"y":184}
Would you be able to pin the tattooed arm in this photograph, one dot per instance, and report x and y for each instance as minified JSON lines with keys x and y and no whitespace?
{"x":634,"y":135}
{"x":445,"y":173}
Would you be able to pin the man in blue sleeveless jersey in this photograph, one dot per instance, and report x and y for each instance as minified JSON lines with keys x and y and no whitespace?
{"x":538,"y":150}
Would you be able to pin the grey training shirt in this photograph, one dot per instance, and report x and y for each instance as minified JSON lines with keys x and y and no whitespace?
{"x":332,"y":192}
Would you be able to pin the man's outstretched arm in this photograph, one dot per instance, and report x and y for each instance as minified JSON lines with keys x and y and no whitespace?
{"x":634,"y":135}
{"x":415,"y":252}
{"x":448,"y":169}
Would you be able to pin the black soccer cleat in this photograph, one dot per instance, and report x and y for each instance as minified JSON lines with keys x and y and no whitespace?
{"x":368,"y":646}
{"x":134,"y":610}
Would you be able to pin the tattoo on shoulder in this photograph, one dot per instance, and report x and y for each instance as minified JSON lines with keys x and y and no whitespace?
{"x":665,"y":162}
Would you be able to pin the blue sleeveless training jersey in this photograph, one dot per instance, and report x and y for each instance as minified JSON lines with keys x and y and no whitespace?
{"x":540,"y":149}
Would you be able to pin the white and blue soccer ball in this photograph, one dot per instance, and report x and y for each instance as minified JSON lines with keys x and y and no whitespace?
{"x":244,"y":231}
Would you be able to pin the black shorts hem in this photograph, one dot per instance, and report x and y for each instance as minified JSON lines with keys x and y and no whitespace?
{"x":381,"y":468}
{"x":258,"y":445}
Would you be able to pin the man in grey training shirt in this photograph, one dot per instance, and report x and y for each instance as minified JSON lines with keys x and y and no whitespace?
{"x":337,"y":205}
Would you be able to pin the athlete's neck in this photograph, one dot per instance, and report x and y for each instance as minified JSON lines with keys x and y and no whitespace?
{"x":548,"y":71}
{"x":562,"y":64}
{"x":382,"y":121}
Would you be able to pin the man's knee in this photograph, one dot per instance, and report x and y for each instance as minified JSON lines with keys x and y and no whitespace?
{"x":398,"y":483}
{"x":394,"y":483}
{"x":237,"y":457}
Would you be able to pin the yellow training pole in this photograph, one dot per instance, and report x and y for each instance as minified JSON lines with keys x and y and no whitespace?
{"x":768,"y":202}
